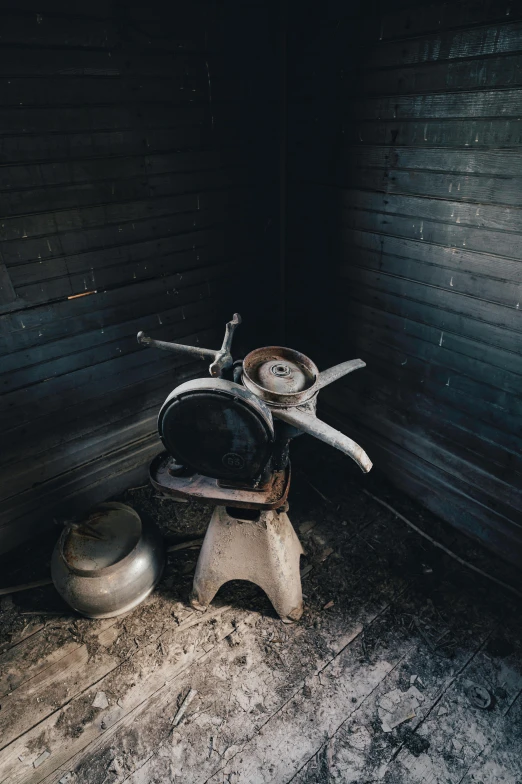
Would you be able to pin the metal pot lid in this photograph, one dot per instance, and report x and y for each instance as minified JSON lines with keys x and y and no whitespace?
{"x":106,"y":537}
{"x":279,"y":375}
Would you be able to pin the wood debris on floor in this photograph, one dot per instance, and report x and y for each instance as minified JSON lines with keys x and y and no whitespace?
{"x":406,"y":667}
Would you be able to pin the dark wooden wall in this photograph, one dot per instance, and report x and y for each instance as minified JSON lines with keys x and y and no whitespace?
{"x":405,"y":242}
{"x":138,"y":190}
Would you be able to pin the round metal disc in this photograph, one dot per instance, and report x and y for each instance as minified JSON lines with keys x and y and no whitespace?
{"x":479,"y":696}
{"x":217,"y":428}
{"x":280,"y":376}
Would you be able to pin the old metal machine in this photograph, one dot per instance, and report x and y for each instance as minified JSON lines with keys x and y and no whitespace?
{"x":227,"y":442}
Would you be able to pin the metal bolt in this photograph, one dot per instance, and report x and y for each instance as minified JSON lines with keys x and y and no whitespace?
{"x":479,"y":696}
{"x":280,"y":370}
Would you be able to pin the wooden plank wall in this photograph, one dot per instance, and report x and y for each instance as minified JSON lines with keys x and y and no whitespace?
{"x":138,"y":190}
{"x":405,"y":239}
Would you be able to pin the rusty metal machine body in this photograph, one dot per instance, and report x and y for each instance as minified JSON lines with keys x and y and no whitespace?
{"x":227,"y":441}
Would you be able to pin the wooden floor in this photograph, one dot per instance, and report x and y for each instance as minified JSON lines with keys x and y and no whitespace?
{"x":394,"y":631}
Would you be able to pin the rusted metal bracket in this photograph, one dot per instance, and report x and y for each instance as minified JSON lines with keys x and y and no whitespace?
{"x":205,"y":488}
{"x":338,"y":371}
{"x":289,"y":383}
{"x":304,"y":418}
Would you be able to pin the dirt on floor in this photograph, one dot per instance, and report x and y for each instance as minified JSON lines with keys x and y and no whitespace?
{"x":345,"y":535}
{"x":326,"y":504}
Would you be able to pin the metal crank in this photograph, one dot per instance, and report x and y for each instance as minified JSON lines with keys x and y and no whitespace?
{"x":221,"y":359}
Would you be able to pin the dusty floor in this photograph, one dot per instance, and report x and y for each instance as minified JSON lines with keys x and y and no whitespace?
{"x":377,"y":683}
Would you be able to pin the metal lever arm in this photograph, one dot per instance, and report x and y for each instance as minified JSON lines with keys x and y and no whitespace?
{"x":178,"y":348}
{"x":338,"y":371}
{"x":309,"y":423}
{"x":221,"y":360}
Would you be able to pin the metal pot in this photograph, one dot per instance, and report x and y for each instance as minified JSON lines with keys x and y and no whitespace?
{"x":109,"y":563}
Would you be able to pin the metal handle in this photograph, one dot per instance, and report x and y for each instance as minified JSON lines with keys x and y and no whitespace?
{"x":221,"y":360}
{"x":179,"y":348}
{"x":338,"y":371}
{"x":309,"y":423}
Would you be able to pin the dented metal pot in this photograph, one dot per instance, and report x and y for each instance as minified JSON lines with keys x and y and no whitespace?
{"x":108,"y":563}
